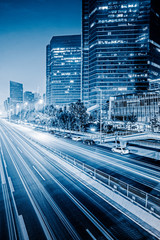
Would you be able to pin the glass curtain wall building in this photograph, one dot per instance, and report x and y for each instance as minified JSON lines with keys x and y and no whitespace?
{"x":63,"y":70}
{"x":28,"y":97}
{"x":16,"y":93}
{"x":120,"y":47}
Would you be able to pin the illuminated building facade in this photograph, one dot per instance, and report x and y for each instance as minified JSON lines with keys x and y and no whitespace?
{"x":143,"y":106}
{"x":16,"y":93}
{"x":120,"y":47}
{"x":28,"y":97}
{"x":63,"y":70}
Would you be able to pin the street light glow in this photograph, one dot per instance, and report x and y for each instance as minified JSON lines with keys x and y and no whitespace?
{"x":40,"y":101}
{"x":93,"y":129}
{"x":26,"y":103}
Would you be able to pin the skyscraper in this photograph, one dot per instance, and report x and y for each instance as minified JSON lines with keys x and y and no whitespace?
{"x":16,"y":93}
{"x":63,"y":70}
{"x":28,"y":97}
{"x":120,"y":47}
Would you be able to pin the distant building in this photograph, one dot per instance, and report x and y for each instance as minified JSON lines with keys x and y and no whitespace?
{"x":63,"y":70}
{"x":120,"y":47}
{"x":142,"y":106}
{"x":37,"y":97}
{"x":28,"y":97}
{"x":16,"y":93}
{"x":7,"y":104}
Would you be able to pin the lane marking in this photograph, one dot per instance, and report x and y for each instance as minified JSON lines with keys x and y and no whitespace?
{"x":38,"y":173}
{"x":125,"y":167}
{"x":91,"y":235}
{"x":23,"y":227}
{"x":19,"y":149}
{"x":81,"y":207}
{"x":3,"y":179}
{"x":123,"y":212}
{"x":10,"y":184}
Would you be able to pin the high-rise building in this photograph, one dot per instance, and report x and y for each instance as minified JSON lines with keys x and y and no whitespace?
{"x":37,"y":96}
{"x":7,"y":104}
{"x":16,"y":93}
{"x":28,"y":97}
{"x":120,"y":47}
{"x":63,"y":70}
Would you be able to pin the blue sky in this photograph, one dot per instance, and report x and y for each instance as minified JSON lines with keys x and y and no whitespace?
{"x":26,"y":27}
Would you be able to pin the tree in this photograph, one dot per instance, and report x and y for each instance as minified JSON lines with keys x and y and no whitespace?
{"x":108,"y":128}
{"x":50,"y":110}
{"x":132,"y":118}
{"x":94,"y":116}
{"x":79,"y":112}
{"x":154,"y":123}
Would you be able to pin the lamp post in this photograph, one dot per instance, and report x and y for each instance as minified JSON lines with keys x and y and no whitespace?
{"x":40,"y":102}
{"x":25,"y":107}
{"x":9,"y":113}
{"x":100,"y":106}
{"x":19,"y":107}
{"x":10,"y":109}
{"x":100,"y":116}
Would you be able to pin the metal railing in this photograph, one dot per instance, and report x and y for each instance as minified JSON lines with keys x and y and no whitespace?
{"x":145,"y":200}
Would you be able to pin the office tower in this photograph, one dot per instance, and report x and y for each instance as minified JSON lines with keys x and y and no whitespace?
{"x":120,"y":47}
{"x":37,"y":96}
{"x":16,"y":93}
{"x":28,"y":97}
{"x":7,"y":104}
{"x":63,"y":70}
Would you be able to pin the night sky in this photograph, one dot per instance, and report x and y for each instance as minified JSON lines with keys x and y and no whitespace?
{"x":26,"y":27}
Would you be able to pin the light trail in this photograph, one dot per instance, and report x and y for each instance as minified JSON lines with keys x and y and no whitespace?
{"x":114,"y":166}
{"x":39,"y":173}
{"x":112,"y":161}
{"x":91,"y":235}
{"x":86,"y":212}
{"x":25,"y":149}
{"x":46,"y":195}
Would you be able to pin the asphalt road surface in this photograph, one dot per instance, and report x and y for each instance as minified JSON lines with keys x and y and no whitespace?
{"x":40,"y":200}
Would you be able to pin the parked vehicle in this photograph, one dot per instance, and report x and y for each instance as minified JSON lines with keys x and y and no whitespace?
{"x":76,"y":138}
{"x":51,"y":131}
{"x":89,"y":142}
{"x":120,"y":150}
{"x":67,"y":135}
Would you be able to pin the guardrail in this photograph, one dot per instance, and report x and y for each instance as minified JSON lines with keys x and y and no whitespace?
{"x":145,"y":200}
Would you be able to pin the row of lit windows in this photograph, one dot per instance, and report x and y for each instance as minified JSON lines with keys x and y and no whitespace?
{"x":116,"y":5}
{"x":121,"y":54}
{"x":113,"y":42}
{"x":66,"y":74}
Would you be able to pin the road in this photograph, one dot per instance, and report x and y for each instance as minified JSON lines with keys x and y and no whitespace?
{"x":40,"y":200}
{"x":130,"y":169}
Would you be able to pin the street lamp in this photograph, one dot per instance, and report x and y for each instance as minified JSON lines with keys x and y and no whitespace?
{"x":93,"y":129}
{"x":19,"y":107}
{"x":100,"y":95}
{"x":25,"y":107}
{"x":100,"y":116}
{"x":40,"y":102}
{"x":26,"y":104}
